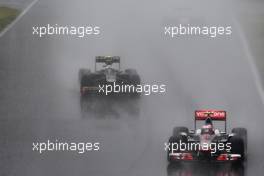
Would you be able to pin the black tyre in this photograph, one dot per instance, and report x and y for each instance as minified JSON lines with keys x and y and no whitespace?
{"x":242,"y":133}
{"x":134,"y":79}
{"x":237,"y":146}
{"x":172,"y":139}
{"x":177,"y":137}
{"x":86,"y":81}
{"x":131,"y":71}
{"x":82,"y":72}
{"x":178,"y":130}
{"x":133,"y":76}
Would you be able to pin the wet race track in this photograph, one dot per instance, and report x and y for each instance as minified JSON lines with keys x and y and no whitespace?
{"x":40,"y":97}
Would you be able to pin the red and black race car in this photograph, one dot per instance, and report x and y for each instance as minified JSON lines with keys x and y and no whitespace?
{"x":207,"y":143}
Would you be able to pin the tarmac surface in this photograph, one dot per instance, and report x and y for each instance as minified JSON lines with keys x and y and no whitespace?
{"x":40,"y":99}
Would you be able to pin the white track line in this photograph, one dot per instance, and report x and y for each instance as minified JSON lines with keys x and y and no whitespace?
{"x":18,"y":18}
{"x":251,"y":60}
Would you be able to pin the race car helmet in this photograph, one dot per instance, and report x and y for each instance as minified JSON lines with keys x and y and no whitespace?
{"x":208,"y":121}
{"x":207,"y":129}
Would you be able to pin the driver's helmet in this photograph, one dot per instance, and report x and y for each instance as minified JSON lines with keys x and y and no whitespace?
{"x":207,"y":129}
{"x":109,"y":70}
{"x":106,"y":66}
{"x":208,"y":121}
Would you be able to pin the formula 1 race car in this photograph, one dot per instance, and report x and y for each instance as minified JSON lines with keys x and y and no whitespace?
{"x":207,"y":143}
{"x":109,"y":78}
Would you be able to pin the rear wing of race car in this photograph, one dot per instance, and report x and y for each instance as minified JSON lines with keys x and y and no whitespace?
{"x":215,"y":115}
{"x":108,"y":60}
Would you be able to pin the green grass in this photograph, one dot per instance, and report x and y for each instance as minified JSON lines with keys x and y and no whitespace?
{"x":7,"y":15}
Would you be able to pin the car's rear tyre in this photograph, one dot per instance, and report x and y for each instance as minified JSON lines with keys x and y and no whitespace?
{"x":131,"y":71}
{"x":173,"y":139}
{"x":241,"y":133}
{"x":178,"y":133}
{"x":178,"y":130}
{"x":177,"y":137}
{"x":237,"y":147}
{"x":133,"y":76}
{"x":85,"y":81}
{"x":134,"y":79}
{"x":82,"y":72}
